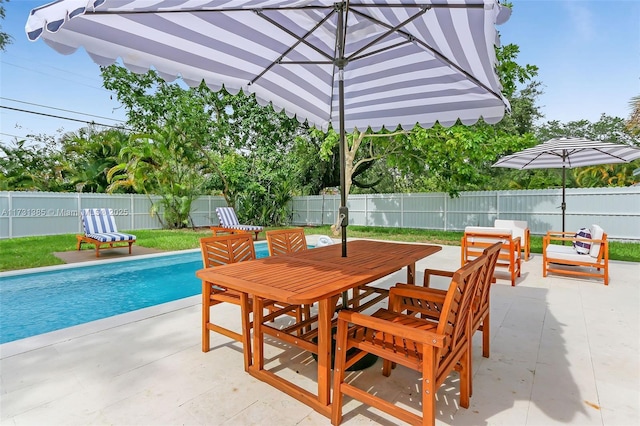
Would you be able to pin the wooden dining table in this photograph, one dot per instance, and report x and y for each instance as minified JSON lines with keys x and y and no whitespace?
{"x":321,"y":276}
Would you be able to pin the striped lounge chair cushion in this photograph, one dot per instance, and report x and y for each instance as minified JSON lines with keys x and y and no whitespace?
{"x":100,"y":225}
{"x":228,"y":219}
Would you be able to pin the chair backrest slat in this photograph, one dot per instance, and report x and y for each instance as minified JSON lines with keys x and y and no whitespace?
{"x":285,"y":241}
{"x":481,"y":303}
{"x":225,"y":249}
{"x":456,"y":314}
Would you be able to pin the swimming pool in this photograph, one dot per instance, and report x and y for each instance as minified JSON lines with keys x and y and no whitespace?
{"x":36,"y":303}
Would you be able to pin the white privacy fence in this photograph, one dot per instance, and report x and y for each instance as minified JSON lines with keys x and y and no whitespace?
{"x":25,"y":214}
{"x":617,"y":210}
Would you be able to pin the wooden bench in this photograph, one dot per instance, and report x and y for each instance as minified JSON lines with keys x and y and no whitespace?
{"x":478,"y":238}
{"x":564,"y":259}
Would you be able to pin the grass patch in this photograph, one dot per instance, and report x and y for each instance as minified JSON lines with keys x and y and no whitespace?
{"x":32,"y":252}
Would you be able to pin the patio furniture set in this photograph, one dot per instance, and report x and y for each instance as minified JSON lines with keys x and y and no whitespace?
{"x":327,"y":299}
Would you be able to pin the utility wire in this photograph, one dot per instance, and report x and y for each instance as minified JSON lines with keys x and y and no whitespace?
{"x":60,"y":109}
{"x":60,"y":117}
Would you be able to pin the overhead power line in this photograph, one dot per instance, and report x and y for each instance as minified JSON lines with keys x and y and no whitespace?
{"x":61,"y":117}
{"x":61,"y":109}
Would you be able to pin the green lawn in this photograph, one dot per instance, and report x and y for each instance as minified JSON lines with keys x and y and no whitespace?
{"x":31,"y":252}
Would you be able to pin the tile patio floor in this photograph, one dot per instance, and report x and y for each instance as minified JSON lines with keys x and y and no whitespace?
{"x":563,"y":351}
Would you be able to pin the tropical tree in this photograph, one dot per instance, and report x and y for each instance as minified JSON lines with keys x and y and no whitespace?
{"x":607,"y":129}
{"x":166,"y":163}
{"x":88,"y":154}
{"x":32,"y":166}
{"x":5,"y":38}
{"x":633,"y":123}
{"x":242,"y":147}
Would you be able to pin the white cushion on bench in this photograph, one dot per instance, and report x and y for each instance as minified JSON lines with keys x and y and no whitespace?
{"x":558,"y":252}
{"x":518,"y":227}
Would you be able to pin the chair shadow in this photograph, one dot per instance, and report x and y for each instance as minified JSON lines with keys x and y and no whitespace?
{"x":528,"y":378}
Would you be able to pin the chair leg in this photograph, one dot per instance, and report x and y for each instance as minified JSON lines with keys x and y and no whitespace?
{"x":465,"y":379}
{"x":485,"y":336}
{"x":429,"y":386}
{"x":338,"y":373}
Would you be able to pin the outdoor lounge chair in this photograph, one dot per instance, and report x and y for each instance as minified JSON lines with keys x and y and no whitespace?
{"x":595,"y":263}
{"x":228,"y":219}
{"x":433,"y":348}
{"x":101,"y":231}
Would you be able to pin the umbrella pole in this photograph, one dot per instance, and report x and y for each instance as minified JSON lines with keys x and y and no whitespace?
{"x":343,"y":212}
{"x":563,"y":205}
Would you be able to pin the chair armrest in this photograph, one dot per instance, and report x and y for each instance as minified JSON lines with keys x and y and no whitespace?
{"x":416,"y":300}
{"x":345,"y":317}
{"x":569,"y":236}
{"x":438,"y":272}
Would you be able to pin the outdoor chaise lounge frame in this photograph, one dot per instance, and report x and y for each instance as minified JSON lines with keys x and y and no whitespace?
{"x":100,"y":230}
{"x":228,"y":220}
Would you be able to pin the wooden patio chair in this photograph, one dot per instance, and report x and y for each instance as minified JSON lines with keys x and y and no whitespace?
{"x":222,"y":250}
{"x":433,"y":348}
{"x":285,"y":241}
{"x":430,"y":302}
{"x":101,"y":231}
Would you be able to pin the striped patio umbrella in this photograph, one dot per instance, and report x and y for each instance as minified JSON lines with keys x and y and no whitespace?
{"x":349,"y":64}
{"x":567,"y":153}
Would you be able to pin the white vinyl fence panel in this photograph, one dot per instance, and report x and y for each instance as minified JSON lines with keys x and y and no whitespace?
{"x":617,"y":210}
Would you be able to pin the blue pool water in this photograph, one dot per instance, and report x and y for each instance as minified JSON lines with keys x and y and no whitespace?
{"x":36,"y":303}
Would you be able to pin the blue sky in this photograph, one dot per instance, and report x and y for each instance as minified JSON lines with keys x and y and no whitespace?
{"x":588,"y":53}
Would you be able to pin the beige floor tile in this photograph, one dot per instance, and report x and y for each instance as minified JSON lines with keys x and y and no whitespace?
{"x":563,"y":351}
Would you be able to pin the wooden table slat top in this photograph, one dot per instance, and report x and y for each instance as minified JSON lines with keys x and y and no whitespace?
{"x":310,"y":275}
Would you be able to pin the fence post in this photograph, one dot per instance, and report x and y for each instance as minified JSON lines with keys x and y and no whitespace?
{"x":10,"y":215}
{"x":79,"y":198}
{"x":445,"y":211}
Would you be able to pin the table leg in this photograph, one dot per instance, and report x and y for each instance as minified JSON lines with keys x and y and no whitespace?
{"x":325,"y":312}
{"x":258,"y":337}
{"x":411,"y":273}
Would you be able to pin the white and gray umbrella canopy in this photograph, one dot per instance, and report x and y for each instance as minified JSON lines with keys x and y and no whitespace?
{"x":567,"y":153}
{"x":404,"y":61}
{"x":348,"y":64}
